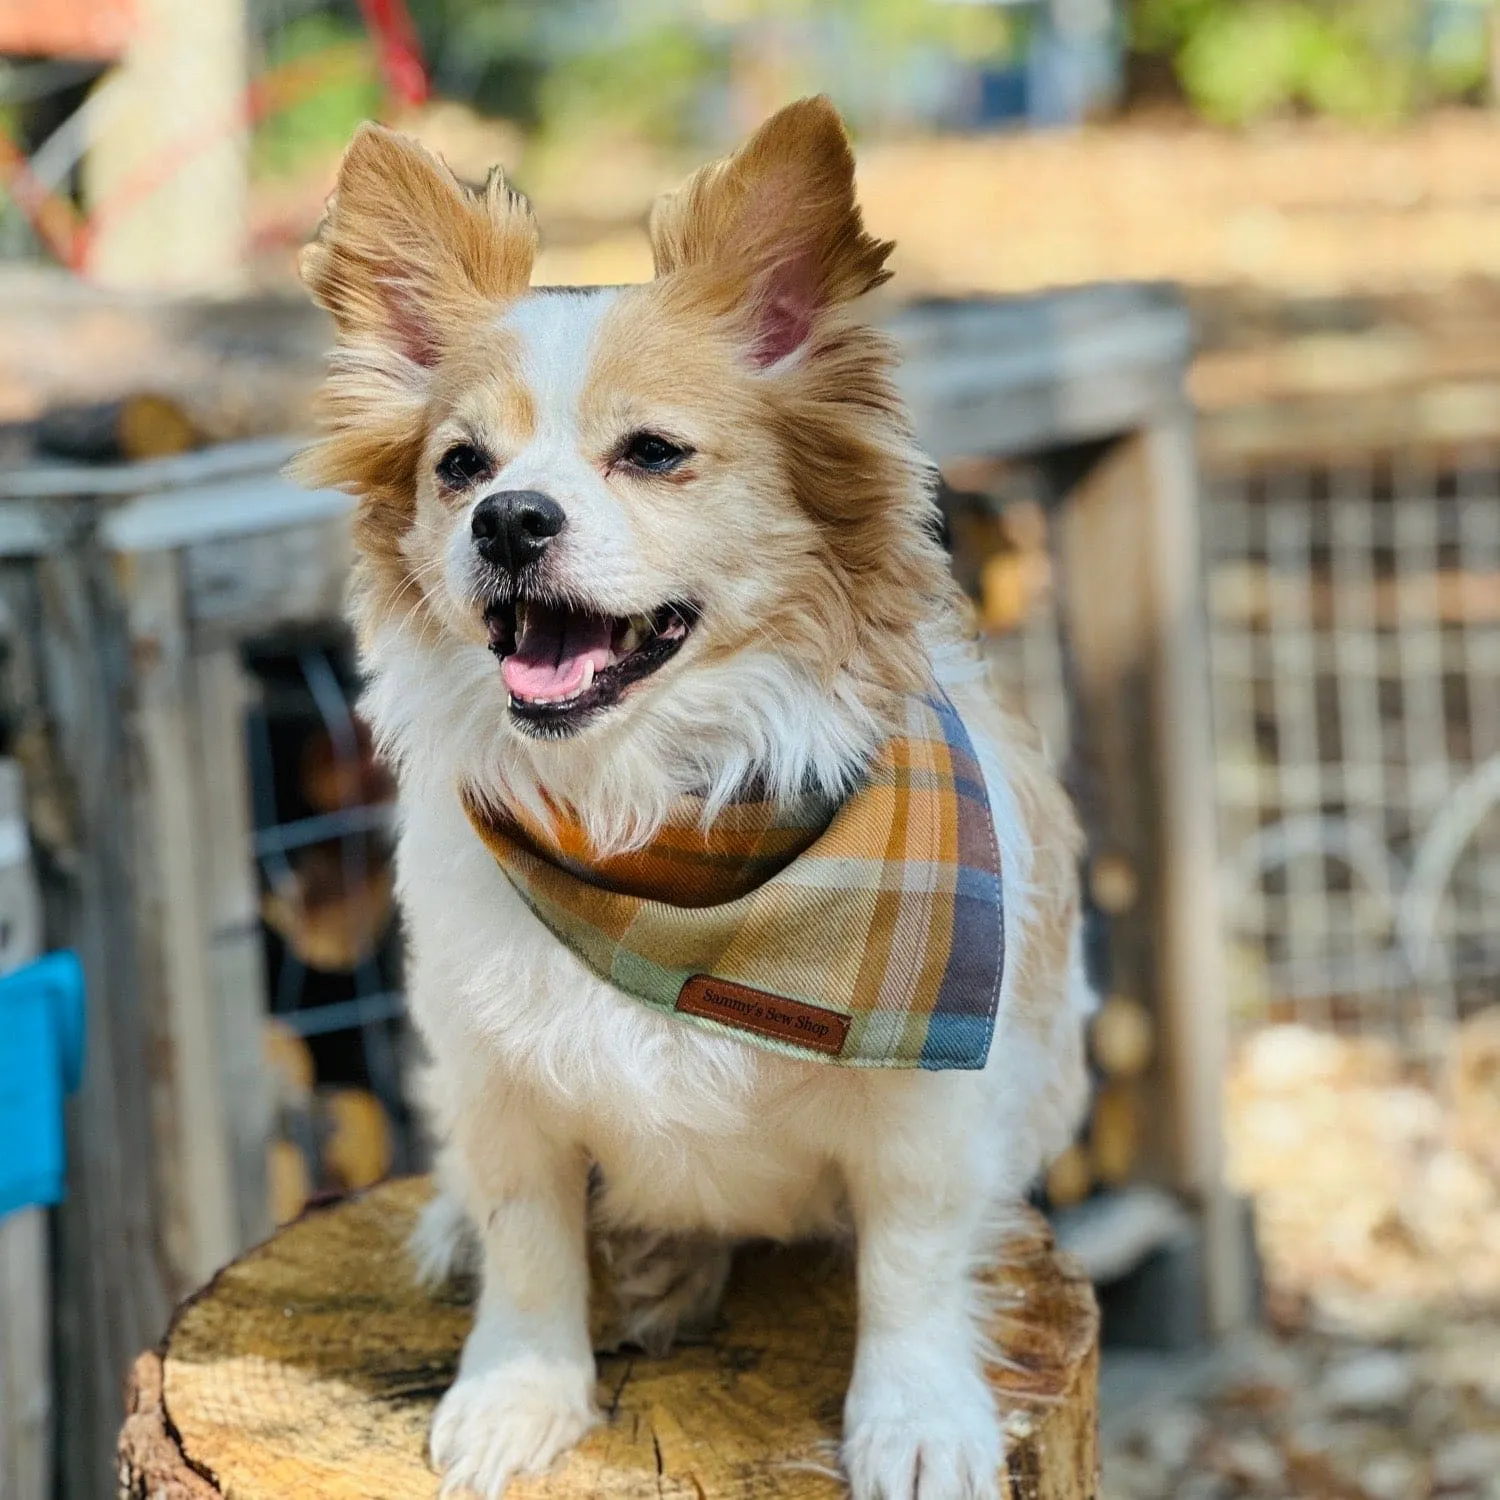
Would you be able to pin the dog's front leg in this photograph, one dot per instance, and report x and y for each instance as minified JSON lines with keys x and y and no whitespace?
{"x":920,"y":1422}
{"x":525,"y":1387}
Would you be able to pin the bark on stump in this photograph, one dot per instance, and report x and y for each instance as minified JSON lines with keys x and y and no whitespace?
{"x":310,"y":1368}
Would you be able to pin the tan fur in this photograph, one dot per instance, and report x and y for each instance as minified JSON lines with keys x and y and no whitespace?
{"x":405,"y":249}
{"x":787,"y":193}
{"x":409,"y":262}
{"x":405,"y":260}
{"x":846,"y":449}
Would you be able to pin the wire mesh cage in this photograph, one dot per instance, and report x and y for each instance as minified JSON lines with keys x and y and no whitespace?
{"x":1000,"y":542}
{"x":322,"y":846}
{"x":1355,"y":646}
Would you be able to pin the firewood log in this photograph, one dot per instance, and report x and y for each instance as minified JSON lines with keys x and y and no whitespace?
{"x":1122,"y":1037}
{"x":1115,"y":1134}
{"x":330,"y":781}
{"x":290,"y":1061}
{"x":110,"y":432}
{"x":1070,"y":1178}
{"x":359,"y":1146}
{"x":331,"y":917}
{"x":1113,"y":883}
{"x":289,"y":1183}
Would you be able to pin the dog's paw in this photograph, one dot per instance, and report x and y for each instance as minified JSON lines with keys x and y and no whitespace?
{"x":443,"y":1246}
{"x":922,"y":1435}
{"x":511,"y":1418}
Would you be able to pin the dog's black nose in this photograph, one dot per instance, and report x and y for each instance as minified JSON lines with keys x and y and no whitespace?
{"x":513,"y":527}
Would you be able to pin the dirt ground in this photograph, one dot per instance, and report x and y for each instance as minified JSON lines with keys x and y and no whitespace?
{"x":1310,"y":1416}
{"x":1378,"y":1192}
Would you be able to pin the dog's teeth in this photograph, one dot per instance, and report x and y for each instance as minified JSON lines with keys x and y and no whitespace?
{"x":635,"y":633}
{"x":588,"y":678}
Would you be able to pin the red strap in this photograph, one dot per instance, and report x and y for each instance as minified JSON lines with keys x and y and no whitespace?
{"x":400,"y":48}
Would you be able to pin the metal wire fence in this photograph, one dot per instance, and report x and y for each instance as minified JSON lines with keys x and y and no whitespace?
{"x":322,"y":846}
{"x":1355,"y":643}
{"x":1354,"y":620}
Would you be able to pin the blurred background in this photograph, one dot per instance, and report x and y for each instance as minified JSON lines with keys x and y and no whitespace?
{"x":1221,"y":476}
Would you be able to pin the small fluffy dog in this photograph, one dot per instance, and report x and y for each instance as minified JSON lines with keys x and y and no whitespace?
{"x":626,"y":551}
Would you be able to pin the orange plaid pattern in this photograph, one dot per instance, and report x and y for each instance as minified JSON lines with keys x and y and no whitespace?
{"x":867,"y":932}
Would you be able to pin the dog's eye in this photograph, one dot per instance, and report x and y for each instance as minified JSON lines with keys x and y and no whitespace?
{"x":463,"y":464}
{"x":652,"y":452}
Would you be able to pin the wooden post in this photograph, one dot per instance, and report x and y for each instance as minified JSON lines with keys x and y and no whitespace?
{"x":235,"y":957}
{"x":25,"y":1357}
{"x":115,"y":1287}
{"x":196,"y":1176}
{"x":311,"y":1368}
{"x":122,"y":692}
{"x":1131,"y":570}
{"x":165,"y":171}
{"x":1194,"y":987}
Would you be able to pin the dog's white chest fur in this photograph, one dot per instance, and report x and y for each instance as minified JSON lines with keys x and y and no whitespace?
{"x":693,"y":1131}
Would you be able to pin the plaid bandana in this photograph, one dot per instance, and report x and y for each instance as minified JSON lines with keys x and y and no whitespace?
{"x":866,"y":933}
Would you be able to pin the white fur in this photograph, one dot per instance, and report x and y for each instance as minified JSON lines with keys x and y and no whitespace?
{"x":541,"y":1071}
{"x":556,"y":333}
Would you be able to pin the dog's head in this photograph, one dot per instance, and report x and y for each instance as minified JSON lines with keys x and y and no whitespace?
{"x":680,"y":525}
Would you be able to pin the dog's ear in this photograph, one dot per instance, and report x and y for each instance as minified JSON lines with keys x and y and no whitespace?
{"x":778,"y":225}
{"x":406,"y":252}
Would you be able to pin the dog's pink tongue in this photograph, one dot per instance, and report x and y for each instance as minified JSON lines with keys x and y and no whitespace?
{"x":553,"y":651}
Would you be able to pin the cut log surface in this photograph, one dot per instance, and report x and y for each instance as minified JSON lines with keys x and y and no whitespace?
{"x":311,"y":1367}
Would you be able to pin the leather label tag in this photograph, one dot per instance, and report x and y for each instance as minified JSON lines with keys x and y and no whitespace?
{"x":769,"y":1015}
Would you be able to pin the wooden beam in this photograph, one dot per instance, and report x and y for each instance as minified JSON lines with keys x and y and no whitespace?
{"x":171,"y":905}
{"x":1132,"y":606}
{"x":1193,"y":984}
{"x":26,"y":1433}
{"x":236,"y":959}
{"x":115,"y":1282}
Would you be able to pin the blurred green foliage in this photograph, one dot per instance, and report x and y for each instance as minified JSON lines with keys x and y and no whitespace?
{"x":678,"y":71}
{"x":1372,"y":60}
{"x":321,"y":79}
{"x":657,"y":67}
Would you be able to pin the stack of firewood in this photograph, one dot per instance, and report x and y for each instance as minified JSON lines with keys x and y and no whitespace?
{"x":998,"y":534}
{"x":328,"y":1140}
{"x":88,"y":376}
{"x":1122,"y":1045}
{"x":334,"y":901}
{"x":332,"y":905}
{"x":1377,"y":1186}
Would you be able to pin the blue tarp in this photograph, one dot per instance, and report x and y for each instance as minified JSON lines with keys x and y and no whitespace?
{"x":41,"y":1062}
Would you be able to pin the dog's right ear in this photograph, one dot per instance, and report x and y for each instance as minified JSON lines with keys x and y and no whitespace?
{"x":406,"y":254}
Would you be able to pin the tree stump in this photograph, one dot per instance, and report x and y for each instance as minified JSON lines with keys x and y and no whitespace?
{"x":310,"y":1368}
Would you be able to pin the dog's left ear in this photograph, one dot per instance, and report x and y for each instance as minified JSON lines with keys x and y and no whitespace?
{"x":776,"y":228}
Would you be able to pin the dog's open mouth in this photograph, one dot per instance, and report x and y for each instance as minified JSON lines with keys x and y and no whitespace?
{"x":562,"y":664}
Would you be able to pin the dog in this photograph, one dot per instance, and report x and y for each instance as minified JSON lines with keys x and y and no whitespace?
{"x":625,"y":550}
